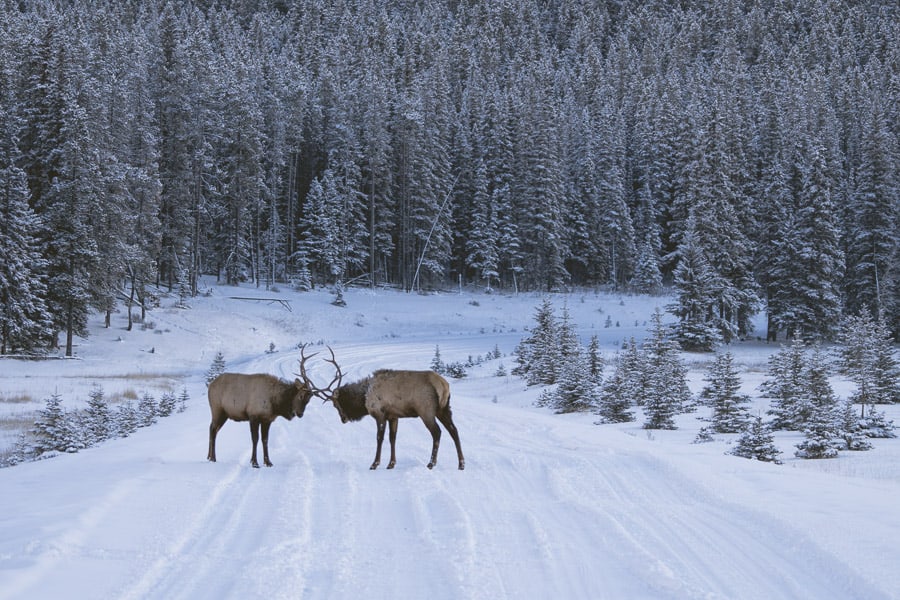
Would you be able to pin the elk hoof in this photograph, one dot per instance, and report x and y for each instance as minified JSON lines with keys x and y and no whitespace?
{"x":211,"y":458}
{"x":391,"y":465}
{"x":373,"y":467}
{"x":431,"y":465}
{"x":254,"y":464}
{"x":462,"y":466}
{"x":269,"y":464}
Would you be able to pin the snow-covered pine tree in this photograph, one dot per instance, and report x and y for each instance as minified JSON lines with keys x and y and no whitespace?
{"x":786,"y":386}
{"x":568,"y":344}
{"x":481,"y":246}
{"x":851,"y":428}
{"x":647,"y":277}
{"x":877,"y":425}
{"x":866,"y":356}
{"x":537,"y":356}
{"x":666,"y":392}
{"x":704,"y":435}
{"x":146,"y":410}
{"x":98,"y":426}
{"x":216,"y":368}
{"x":303,"y":278}
{"x":25,"y":324}
{"x":805,"y":291}
{"x":166,"y":404}
{"x":50,"y":431}
{"x":821,"y":425}
{"x":71,"y":186}
{"x":873,"y":207}
{"x":855,"y":355}
{"x":696,"y":284}
{"x":617,"y":394}
{"x":756,"y":442}
{"x":126,"y":418}
{"x":576,"y":390}
{"x":56,"y":429}
{"x":886,"y":369}
{"x":631,"y":361}
{"x":437,"y":365}
{"x":595,"y":360}
{"x":183,"y":399}
{"x":729,"y":414}
{"x":21,"y":451}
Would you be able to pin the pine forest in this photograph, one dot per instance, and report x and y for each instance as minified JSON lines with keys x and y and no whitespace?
{"x":740,"y":155}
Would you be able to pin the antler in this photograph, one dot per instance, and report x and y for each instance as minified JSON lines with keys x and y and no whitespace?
{"x":326,"y":393}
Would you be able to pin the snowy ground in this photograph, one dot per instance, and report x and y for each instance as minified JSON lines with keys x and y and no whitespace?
{"x":548,"y":506}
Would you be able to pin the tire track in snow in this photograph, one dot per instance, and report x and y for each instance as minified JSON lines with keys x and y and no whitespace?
{"x":68,"y":543}
{"x":243,"y":527}
{"x":684,"y":543}
{"x":640,"y":517}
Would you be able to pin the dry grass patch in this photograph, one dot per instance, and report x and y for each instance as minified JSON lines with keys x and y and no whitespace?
{"x":16,"y":398}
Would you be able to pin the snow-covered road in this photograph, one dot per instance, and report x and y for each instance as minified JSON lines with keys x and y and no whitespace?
{"x":548,"y":506}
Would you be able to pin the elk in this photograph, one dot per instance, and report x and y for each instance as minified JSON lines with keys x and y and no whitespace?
{"x":258,"y":398}
{"x":389,"y":395}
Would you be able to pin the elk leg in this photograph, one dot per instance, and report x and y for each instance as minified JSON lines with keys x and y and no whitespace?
{"x":214,"y":427}
{"x":446,"y":418}
{"x":254,"y":436}
{"x":265,"y":441}
{"x":379,"y":438}
{"x":435,"y":436}
{"x":392,"y":437}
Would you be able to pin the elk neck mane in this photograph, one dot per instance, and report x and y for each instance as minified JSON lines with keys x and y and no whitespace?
{"x":352,"y":398}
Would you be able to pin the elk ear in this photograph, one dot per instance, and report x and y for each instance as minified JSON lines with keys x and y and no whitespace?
{"x":299,"y":384}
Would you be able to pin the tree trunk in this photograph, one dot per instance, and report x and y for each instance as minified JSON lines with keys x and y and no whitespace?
{"x":69,"y":327}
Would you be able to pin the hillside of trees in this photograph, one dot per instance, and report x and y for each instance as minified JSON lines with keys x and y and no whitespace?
{"x":745,"y":153}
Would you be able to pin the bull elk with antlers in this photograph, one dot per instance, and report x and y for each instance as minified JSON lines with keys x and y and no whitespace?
{"x":389,"y":395}
{"x":258,"y":398}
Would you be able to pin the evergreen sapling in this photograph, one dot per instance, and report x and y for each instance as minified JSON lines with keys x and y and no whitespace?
{"x":756,"y":442}
{"x":729,"y":407}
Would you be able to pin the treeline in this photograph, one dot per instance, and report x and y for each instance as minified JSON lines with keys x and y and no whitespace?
{"x":522,"y":145}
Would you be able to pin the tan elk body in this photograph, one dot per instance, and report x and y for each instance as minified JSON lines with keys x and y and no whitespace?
{"x":389,"y":395}
{"x":258,"y":398}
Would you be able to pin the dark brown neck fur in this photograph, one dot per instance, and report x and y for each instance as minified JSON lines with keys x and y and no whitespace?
{"x":352,"y":398}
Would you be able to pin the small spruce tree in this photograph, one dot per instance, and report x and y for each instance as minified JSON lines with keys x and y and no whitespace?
{"x":631,"y":362}
{"x":146,"y":410}
{"x":51,"y":432}
{"x":666,"y":391}
{"x":216,"y":368}
{"x":616,"y":395}
{"x":756,"y":442}
{"x":166,"y":404}
{"x":98,"y":426}
{"x":730,"y":413}
{"x":786,"y":385}
{"x":877,"y":425}
{"x":595,"y":360}
{"x":851,"y":428}
{"x":183,"y":399}
{"x":821,"y":425}
{"x":576,"y":390}
{"x":886,"y":382}
{"x":538,"y":354}
{"x":866,"y":356}
{"x":437,"y":365}
{"x":127,"y":421}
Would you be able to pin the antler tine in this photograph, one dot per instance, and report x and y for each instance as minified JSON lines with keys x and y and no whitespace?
{"x":303,"y":359}
{"x":338,"y":376}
